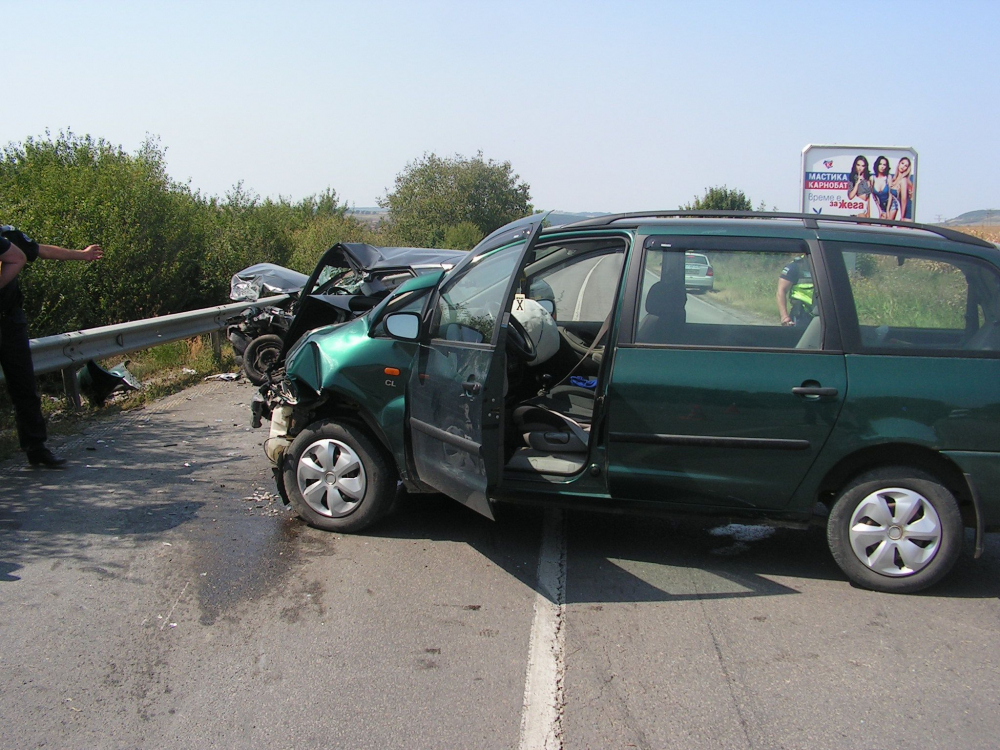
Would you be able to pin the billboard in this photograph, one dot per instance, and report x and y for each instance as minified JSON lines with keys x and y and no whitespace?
{"x":879,"y":182}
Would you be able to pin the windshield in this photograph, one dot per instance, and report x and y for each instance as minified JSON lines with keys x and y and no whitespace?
{"x":337,"y":280}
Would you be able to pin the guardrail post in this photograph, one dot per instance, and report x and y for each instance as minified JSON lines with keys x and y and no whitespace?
{"x":72,"y":387}
{"x":216,"y":337}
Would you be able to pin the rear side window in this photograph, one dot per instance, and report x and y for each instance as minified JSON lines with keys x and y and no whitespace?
{"x":915,"y":301}
{"x":759,"y":298}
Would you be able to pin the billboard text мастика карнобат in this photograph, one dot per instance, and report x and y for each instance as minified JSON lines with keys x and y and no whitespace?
{"x":877,"y":182}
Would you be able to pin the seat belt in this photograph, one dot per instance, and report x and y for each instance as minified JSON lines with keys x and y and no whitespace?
{"x":597,"y":339}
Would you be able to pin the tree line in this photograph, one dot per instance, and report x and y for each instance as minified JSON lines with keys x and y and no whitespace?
{"x":170,"y":248}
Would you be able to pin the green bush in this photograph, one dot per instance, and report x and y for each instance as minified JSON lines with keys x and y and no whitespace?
{"x":168,"y":248}
{"x":434,"y":195}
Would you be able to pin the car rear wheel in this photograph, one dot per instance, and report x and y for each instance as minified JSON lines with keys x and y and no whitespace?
{"x":337,"y":478}
{"x":261,"y":353}
{"x":896,"y":530}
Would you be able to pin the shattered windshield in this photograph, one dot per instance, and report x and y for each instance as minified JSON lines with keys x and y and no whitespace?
{"x":334,"y":279}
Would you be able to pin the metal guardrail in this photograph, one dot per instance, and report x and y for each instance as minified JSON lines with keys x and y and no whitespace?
{"x":70,"y":351}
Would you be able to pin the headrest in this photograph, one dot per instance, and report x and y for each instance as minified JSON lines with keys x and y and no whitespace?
{"x":658,"y":301}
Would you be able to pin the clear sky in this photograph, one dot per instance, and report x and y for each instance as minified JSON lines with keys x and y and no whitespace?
{"x":612,"y":106}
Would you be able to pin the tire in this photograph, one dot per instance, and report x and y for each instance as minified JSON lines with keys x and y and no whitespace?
{"x":337,"y":478}
{"x":260,"y":355}
{"x":896,"y":530}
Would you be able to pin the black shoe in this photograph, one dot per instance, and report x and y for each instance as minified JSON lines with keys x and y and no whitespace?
{"x":44,"y":457}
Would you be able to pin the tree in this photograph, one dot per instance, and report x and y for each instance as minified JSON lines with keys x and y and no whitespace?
{"x":433,"y":194}
{"x":463,"y":236}
{"x":720,"y":199}
{"x":69,"y":190}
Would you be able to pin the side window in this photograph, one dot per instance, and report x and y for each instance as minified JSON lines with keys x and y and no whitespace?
{"x":580,"y":279}
{"x":470,"y":305}
{"x":728,"y":298}
{"x":918,"y":301}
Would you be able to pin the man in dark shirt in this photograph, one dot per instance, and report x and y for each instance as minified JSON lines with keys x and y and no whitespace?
{"x":16,"y":249}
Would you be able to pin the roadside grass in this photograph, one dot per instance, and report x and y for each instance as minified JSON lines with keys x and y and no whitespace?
{"x":162,"y":370}
{"x":918,"y":294}
{"x":748,"y":282}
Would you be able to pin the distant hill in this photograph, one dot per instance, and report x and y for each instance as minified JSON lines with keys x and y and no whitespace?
{"x":975,"y":218}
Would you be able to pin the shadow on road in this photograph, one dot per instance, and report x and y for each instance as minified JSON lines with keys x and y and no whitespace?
{"x":106,"y":492}
{"x":614,"y":558}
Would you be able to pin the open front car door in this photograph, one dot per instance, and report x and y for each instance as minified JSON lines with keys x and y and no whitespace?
{"x":456,"y":389}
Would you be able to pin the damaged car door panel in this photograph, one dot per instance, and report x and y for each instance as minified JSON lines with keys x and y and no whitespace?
{"x":581,"y":365}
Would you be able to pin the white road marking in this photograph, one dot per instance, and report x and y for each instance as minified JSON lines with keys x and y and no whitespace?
{"x":167,"y":618}
{"x":583,"y":288}
{"x":544,"y":688}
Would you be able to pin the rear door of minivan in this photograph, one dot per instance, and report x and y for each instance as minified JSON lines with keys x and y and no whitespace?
{"x":712,"y":402}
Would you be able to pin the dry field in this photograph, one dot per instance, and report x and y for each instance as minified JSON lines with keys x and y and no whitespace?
{"x":988,"y":232}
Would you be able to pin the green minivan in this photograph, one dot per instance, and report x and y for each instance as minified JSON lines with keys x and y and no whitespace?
{"x":839,"y":371}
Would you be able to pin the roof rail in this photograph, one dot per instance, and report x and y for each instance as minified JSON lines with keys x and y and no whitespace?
{"x":810,"y":220}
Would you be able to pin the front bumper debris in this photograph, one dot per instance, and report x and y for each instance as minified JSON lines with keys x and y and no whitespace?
{"x":278,"y":440}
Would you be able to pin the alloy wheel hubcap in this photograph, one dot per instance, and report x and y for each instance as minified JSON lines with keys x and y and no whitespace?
{"x":331,"y":478}
{"x":895,"y":532}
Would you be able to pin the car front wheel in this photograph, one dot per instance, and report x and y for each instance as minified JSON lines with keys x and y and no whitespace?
{"x":896,"y":530}
{"x":260,"y":355}
{"x":337,"y":478}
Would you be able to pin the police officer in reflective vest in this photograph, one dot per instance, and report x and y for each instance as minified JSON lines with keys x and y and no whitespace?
{"x":795,"y":293}
{"x":16,"y":249}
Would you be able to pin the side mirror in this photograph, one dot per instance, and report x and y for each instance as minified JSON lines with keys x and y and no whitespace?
{"x":404,"y":326}
{"x":548,"y":305}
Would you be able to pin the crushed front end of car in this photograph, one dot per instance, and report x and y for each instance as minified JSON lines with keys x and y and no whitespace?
{"x":343,"y":376}
{"x":288,"y":404}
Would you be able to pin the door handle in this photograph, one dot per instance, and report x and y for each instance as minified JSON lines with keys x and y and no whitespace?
{"x":813,"y":390}
{"x":471,"y":387}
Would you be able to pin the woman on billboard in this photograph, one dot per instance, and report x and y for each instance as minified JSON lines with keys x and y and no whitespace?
{"x":886,"y":204}
{"x":901,"y":189}
{"x":860,"y":180}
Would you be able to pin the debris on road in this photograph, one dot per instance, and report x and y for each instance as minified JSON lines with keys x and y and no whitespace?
{"x":264,"y":503}
{"x":741,"y":535}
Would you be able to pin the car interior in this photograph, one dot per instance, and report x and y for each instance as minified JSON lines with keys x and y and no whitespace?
{"x":569,"y":288}
{"x":550,"y":399}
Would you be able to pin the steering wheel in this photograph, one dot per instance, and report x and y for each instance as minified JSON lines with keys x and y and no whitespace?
{"x":329,"y":288}
{"x":519,"y":342}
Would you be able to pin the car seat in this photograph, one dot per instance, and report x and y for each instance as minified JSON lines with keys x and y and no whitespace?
{"x":666,"y":316}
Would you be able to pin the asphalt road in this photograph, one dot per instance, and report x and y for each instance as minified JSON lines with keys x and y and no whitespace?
{"x":155,"y":594}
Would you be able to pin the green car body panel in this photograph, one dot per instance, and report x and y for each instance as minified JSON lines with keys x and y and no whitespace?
{"x":891,"y":411}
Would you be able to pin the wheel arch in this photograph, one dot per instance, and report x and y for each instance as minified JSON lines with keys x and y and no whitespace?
{"x":918,"y":457}
{"x":343,"y":409}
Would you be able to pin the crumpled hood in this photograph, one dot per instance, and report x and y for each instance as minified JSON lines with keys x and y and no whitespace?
{"x":263,"y":279}
{"x":363,"y":257}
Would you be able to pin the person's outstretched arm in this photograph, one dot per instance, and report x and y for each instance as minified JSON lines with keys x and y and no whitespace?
{"x":52,"y":252}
